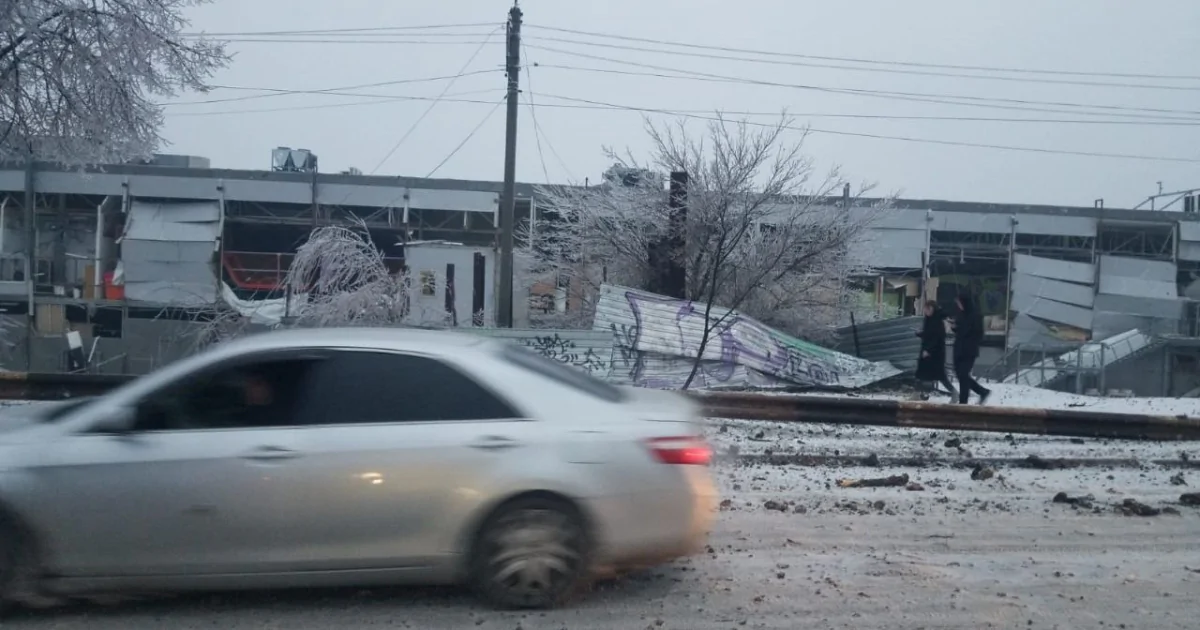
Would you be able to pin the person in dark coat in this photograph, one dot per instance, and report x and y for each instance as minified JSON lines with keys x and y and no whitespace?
{"x":931,"y":365}
{"x":968,"y":335}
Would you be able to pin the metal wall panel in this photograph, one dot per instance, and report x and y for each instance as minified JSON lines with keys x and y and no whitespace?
{"x":1189,"y":250}
{"x":1059,"y":312}
{"x":12,"y":181}
{"x":890,"y":218}
{"x":1056,"y":225}
{"x":1189,"y":231}
{"x":891,"y":340}
{"x":1138,"y":287}
{"x":266,"y":192}
{"x":647,"y":323}
{"x":972,"y":222}
{"x":1080,"y":273}
{"x":462,"y":200}
{"x":1140,"y":268}
{"x":1030,"y":286}
{"x":80,"y":183}
{"x":1166,"y":308}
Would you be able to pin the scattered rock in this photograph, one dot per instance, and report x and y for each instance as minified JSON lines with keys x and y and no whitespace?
{"x":877,"y":482}
{"x":1078,"y":441}
{"x":800,"y":509}
{"x":1190,"y":498}
{"x":982,"y":473}
{"x":954,"y":443}
{"x":775,"y":506}
{"x":1085,"y":501}
{"x":871,"y":460}
{"x":1178,"y":480}
{"x":915,"y":487}
{"x":1132,"y":507}
{"x":727,"y":504}
{"x":878,"y":505}
{"x":1033,"y":461}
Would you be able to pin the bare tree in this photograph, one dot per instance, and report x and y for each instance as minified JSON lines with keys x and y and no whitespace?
{"x":77,"y":76}
{"x":762,"y":234}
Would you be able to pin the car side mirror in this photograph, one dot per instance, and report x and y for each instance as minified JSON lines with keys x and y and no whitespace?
{"x":118,"y":422}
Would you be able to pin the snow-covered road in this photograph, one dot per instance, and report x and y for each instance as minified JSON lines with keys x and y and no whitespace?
{"x":960,"y":553}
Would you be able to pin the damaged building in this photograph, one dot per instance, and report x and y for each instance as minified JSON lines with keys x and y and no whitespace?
{"x":126,"y":257}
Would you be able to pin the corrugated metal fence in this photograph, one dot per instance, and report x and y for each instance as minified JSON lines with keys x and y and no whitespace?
{"x":893,"y":340}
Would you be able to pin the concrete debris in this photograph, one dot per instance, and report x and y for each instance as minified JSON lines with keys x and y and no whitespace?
{"x":1190,"y":498}
{"x":1085,"y":501}
{"x":982,"y":473}
{"x":877,"y":482}
{"x":1133,"y":507}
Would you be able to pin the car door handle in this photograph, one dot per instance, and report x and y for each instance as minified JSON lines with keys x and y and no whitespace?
{"x":270,"y":453}
{"x":494,"y":443}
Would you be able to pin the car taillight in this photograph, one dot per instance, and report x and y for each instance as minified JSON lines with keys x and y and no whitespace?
{"x":685,"y":451}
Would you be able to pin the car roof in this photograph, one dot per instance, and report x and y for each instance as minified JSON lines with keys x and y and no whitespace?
{"x":415,"y":339}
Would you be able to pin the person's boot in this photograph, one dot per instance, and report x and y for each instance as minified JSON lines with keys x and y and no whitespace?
{"x":983,"y":398}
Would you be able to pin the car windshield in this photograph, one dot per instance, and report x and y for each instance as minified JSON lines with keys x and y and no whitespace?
{"x":560,"y":372}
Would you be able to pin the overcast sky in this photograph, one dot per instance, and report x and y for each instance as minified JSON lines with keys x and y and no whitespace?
{"x":1155,"y":37}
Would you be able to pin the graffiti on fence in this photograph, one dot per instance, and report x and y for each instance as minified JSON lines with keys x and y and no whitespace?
{"x":569,"y":351}
{"x":656,"y":340}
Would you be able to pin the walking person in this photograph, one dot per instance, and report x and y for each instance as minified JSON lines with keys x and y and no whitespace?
{"x":931,"y":365}
{"x":968,"y":335}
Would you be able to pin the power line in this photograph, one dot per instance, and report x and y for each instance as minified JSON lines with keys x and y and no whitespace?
{"x":330,"y":31}
{"x":867,"y":69}
{"x":380,"y":99}
{"x":432,"y":105}
{"x":706,"y":76}
{"x":357,"y":42}
{"x":377,"y":99}
{"x":467,"y":139}
{"x":643,"y":40}
{"x":898,"y":138}
{"x":331,"y":91}
{"x":537,"y":128}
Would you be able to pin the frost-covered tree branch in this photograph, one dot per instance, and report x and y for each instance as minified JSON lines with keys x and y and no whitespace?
{"x":77,"y":76}
{"x":764,"y":233}
{"x":340,"y":278}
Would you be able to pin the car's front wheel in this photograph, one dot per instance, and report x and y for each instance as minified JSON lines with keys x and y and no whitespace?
{"x":532,"y":553}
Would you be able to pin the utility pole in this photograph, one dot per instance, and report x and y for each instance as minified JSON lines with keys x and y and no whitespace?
{"x":508,"y":197}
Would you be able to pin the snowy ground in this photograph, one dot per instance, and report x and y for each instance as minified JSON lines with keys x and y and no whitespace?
{"x":1011,"y":395}
{"x":791,"y":549}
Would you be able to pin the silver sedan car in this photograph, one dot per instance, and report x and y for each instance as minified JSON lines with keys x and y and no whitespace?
{"x":351,"y":457}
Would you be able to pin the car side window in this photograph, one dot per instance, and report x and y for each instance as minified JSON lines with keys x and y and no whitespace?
{"x":355,"y":387}
{"x":253,"y":394}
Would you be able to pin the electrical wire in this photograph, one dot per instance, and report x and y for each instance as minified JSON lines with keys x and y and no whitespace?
{"x":337,"y":91}
{"x":452,"y":98}
{"x":861,"y":60}
{"x":331,"y":31}
{"x":467,"y":139}
{"x":930,"y":73}
{"x":918,"y":96}
{"x":434,"y":104}
{"x":378,"y":100}
{"x":897,"y":138}
{"x":421,"y":42}
{"x":537,"y":129}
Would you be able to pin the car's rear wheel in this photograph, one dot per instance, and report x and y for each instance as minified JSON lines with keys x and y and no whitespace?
{"x":532,"y":553}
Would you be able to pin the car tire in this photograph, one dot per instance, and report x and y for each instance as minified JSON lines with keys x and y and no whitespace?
{"x":531,"y":553}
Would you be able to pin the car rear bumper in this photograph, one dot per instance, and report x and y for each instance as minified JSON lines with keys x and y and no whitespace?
{"x":651,"y":527}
